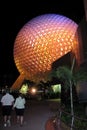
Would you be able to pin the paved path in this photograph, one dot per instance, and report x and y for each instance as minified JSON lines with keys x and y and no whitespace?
{"x":36,"y":115}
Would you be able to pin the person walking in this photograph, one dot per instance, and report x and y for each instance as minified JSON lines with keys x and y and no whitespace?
{"x":19,"y":106}
{"x":7,"y":102}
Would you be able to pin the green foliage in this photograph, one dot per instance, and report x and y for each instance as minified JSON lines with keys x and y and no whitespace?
{"x":65,"y":75}
{"x":80,"y":123}
{"x":69,"y":77}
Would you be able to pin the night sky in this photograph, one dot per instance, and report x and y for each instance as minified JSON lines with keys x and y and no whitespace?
{"x":14,"y":14}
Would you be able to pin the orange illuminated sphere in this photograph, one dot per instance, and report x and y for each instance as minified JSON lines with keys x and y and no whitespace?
{"x":41,"y":41}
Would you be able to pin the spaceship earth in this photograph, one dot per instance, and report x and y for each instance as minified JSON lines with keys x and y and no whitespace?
{"x":41,"y":41}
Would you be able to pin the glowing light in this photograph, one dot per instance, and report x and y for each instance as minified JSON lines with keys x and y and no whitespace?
{"x":33,"y":90}
{"x":56,"y":88}
{"x":41,"y":41}
{"x":24,"y":89}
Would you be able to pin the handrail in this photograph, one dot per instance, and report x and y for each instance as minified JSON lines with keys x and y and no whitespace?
{"x":76,"y":118}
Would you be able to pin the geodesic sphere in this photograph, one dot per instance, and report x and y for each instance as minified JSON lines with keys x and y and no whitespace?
{"x":41,"y":41}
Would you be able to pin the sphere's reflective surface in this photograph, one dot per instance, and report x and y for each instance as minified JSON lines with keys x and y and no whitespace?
{"x":41,"y":41}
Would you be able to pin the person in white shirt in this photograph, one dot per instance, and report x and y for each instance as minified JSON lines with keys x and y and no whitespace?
{"x":7,"y":102}
{"x":19,"y":106}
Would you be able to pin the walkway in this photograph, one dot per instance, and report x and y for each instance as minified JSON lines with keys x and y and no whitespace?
{"x":36,"y":116}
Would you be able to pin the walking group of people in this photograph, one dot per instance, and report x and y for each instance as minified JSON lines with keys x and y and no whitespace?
{"x":9,"y":103}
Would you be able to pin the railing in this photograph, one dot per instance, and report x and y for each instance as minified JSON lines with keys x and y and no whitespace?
{"x":65,"y":117}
